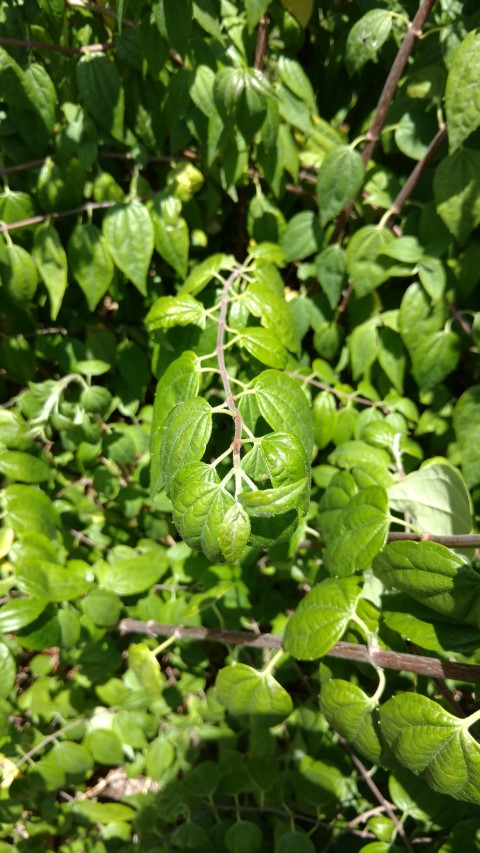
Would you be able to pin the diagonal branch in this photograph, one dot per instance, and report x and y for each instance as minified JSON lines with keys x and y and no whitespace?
{"x":384,"y":658}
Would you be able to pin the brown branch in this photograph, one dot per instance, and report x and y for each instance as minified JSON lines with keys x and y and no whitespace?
{"x":88,"y":207}
{"x":99,"y":10}
{"x":384,"y":658}
{"x":261,"y":42}
{"x":31,"y":44}
{"x":467,"y":540}
{"x":414,"y":177}
{"x":377,"y":793}
{"x":386,"y":97}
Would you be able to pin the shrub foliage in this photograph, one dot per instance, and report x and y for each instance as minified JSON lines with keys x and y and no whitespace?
{"x":239,"y":430}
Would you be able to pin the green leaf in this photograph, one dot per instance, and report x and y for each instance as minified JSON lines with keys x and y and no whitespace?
{"x":174,"y":21}
{"x":264,"y":298}
{"x":8,"y":671}
{"x":255,"y":9}
{"x":428,"y":740}
{"x":51,"y":260}
{"x":351,"y":713}
{"x":434,"y":358}
{"x":102,"y":607}
{"x":172,"y":243}
{"x":321,"y":618}
{"x":456,"y":187}
{"x":264,"y":346}
{"x":438,"y":633}
{"x":324,"y":418}
{"x":302,"y":236}
{"x":431,"y":273}
{"x":23,"y":467}
{"x":134,"y":575}
{"x":200,"y":504}
{"x":300,"y":9}
{"x":29,"y":510}
{"x":103,"y":813}
{"x":365,"y":264}
{"x":146,"y":667}
{"x":180,"y":382}
{"x":234,"y":533}
{"x":90,"y":262}
{"x":243,"y":835}
{"x":339,"y":179}
{"x":203,"y":273}
{"x":331,"y":269}
{"x":184,"y":438}
{"x":100,"y":87}
{"x":466,"y":422}
{"x":432,"y":575}
{"x":462,"y":98}
{"x":52,"y":582}
{"x":20,"y":612}
{"x":168,"y":311}
{"x":366,"y":38}
{"x":292,"y":75}
{"x":435,"y":498}
{"x":19,"y":274}
{"x":294,"y":842}
{"x":362,"y":528}
{"x":268,"y":502}
{"x":129,"y":233}
{"x":284,"y":406}
{"x":73,"y":758}
{"x":246,"y":692}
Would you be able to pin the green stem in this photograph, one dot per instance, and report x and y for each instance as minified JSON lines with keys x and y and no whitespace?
{"x":166,"y":643}
{"x":469,"y":721}
{"x":272,"y":663}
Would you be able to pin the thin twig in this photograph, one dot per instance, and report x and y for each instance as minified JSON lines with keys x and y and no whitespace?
{"x":343,"y":395}
{"x":261,"y":42}
{"x":99,"y":10}
{"x":414,"y":177}
{"x":467,"y":540}
{"x":377,"y":793}
{"x":56,"y":214}
{"x":384,"y":658}
{"x":31,"y":44}
{"x":287,"y":815}
{"x":48,"y":739}
{"x":386,"y":97}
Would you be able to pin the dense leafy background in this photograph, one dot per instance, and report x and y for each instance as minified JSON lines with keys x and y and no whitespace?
{"x":164,"y":162}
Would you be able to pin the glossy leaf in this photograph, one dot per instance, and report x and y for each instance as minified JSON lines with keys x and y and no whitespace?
{"x":457,"y":192}
{"x":428,"y":740}
{"x":351,"y":713}
{"x":435,"y":498}
{"x":19,"y":274}
{"x":462,"y":101}
{"x":180,"y":382}
{"x":8,"y":671}
{"x":51,"y":260}
{"x":128,"y":231}
{"x":134,"y":575}
{"x":284,"y":405}
{"x":263,"y":345}
{"x":321,"y":618}
{"x":184,"y":438}
{"x":365,"y":264}
{"x":234,"y":533}
{"x":23,"y":467}
{"x":361,"y":531}
{"x":268,"y":502}
{"x":200,"y":504}
{"x":249,"y":693}
{"x":170,"y":311}
{"x":90,"y":262}
{"x":302,"y":236}
{"x":339,"y":179}
{"x":433,"y":575}
{"x":366,"y":38}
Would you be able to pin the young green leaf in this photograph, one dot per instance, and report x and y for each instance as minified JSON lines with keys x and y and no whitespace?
{"x":362,"y":527}
{"x":302,"y":236}
{"x":184,"y":438}
{"x":321,"y":618}
{"x":366,"y":38}
{"x":249,"y":693}
{"x":200,"y":504}
{"x":128,"y":231}
{"x":366,"y":265}
{"x":265,"y":346}
{"x":170,"y":311}
{"x":180,"y":382}
{"x":268,"y":502}
{"x":23,"y":467}
{"x":284,"y":406}
{"x":351,"y":713}
{"x":428,"y":740}
{"x":234,"y":533}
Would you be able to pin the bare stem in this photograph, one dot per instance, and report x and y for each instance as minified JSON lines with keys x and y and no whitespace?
{"x":261,"y":42}
{"x":343,"y":395}
{"x":384,"y":658}
{"x":377,"y":793}
{"x":416,"y":174}
{"x":99,"y":10}
{"x":31,"y":44}
{"x":386,"y":97}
